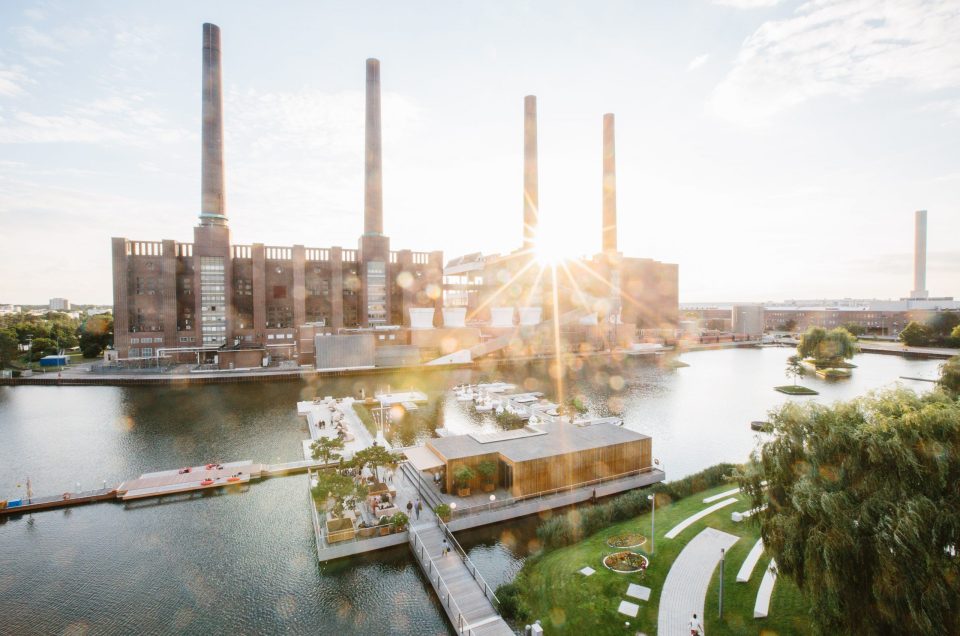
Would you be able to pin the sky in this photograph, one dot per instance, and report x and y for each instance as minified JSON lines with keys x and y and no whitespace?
{"x":773,"y":149}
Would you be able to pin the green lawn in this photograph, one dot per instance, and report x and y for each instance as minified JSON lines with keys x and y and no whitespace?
{"x":569,"y":603}
{"x":790,"y":389}
{"x":366,"y":417}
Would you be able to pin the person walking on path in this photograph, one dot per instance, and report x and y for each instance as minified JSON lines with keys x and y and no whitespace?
{"x":446,"y":547}
{"x":696,"y":629}
{"x":419,"y":507}
{"x":409,"y":508}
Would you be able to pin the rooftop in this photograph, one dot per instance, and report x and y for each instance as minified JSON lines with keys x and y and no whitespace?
{"x":559,"y":438}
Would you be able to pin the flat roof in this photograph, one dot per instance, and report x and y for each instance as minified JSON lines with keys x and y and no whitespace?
{"x":561,"y":438}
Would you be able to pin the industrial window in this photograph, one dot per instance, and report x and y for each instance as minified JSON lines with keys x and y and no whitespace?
{"x":279,"y":292}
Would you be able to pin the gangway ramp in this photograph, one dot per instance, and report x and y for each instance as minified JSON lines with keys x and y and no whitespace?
{"x":465,"y":596}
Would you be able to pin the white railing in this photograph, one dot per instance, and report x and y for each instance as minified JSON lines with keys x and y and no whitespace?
{"x":430,"y":569}
{"x":510,"y":501}
{"x":471,"y":566}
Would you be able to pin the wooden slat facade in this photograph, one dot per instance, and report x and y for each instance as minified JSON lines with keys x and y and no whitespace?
{"x":554,"y":470}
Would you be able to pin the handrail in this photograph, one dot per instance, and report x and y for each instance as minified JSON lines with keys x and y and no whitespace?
{"x":503,"y":503}
{"x":469,"y":563}
{"x":412,"y":539}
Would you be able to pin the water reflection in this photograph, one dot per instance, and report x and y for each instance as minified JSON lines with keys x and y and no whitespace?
{"x":245,"y":562}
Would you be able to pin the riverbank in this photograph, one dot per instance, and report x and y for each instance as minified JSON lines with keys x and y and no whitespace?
{"x":550,"y":586}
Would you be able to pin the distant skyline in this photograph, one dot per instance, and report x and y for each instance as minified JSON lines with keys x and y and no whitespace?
{"x":772,"y":149}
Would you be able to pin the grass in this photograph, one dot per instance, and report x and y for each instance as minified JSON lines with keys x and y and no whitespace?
{"x":366,"y":417}
{"x":566,"y":602}
{"x":790,"y":389}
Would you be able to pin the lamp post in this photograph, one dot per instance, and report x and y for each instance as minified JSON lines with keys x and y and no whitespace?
{"x":492,"y":499}
{"x":722,"y":553}
{"x":653,"y":523}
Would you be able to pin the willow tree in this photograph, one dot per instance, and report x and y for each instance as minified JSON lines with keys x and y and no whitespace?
{"x":827,"y":347}
{"x":950,"y":375}
{"x":863,"y":510}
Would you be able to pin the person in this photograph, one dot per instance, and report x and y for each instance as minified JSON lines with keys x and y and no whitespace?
{"x":446,"y":546}
{"x":390,"y":477}
{"x":409,"y":508}
{"x":419,"y":507}
{"x":696,"y":629}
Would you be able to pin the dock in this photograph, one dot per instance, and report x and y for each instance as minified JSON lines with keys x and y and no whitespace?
{"x":168,"y":482}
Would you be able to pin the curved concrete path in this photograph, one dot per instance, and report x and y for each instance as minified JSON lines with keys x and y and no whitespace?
{"x":685,"y":590}
{"x":692,"y":519}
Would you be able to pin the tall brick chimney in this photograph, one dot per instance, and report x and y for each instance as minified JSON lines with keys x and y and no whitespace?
{"x":373,"y":175}
{"x":609,"y":187}
{"x":531,"y":205}
{"x":212,"y":203}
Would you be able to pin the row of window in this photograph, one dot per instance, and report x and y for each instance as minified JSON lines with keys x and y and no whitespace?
{"x":145,"y":340}
{"x":137,"y":353}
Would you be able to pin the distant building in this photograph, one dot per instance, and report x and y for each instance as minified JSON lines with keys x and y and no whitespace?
{"x":9,"y":309}
{"x":59,"y":304}
{"x":747,"y":319}
{"x":241,"y":304}
{"x":605,"y":301}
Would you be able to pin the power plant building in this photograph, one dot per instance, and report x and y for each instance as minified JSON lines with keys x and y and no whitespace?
{"x":213,"y":297}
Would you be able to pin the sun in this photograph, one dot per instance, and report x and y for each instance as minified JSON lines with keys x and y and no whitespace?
{"x":551,"y":249}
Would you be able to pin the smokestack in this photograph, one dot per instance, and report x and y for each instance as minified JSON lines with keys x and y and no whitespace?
{"x":373,"y":176}
{"x":531,"y":205}
{"x":920,"y":255}
{"x":212,"y":204}
{"x":609,"y":187}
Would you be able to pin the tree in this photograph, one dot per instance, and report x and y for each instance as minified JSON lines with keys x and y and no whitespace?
{"x":795,"y":368}
{"x":42,"y":347}
{"x":915,"y":334}
{"x":854,"y":329}
{"x":863,"y":510}
{"x":375,"y":456}
{"x":787,"y":325}
{"x":96,"y":334}
{"x":950,"y":376}
{"x":332,"y":485}
{"x":325,"y":449}
{"x":943,"y":322}
{"x":827,"y":347}
{"x":956,"y":332}
{"x":9,"y":347}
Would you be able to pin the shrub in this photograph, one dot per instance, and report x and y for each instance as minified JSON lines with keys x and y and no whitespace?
{"x":487,"y":469}
{"x":566,"y":529}
{"x":399,"y":521}
{"x":556,"y":532}
{"x":463,"y":474}
{"x":512,"y":606}
{"x":442,"y":511}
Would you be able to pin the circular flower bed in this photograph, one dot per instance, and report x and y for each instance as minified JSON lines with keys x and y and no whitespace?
{"x":629,"y":540}
{"x":626,"y":562}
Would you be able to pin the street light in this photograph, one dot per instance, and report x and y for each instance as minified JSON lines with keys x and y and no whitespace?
{"x":653,"y":522}
{"x":492,"y":499}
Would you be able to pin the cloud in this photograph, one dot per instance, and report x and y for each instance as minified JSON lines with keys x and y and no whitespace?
{"x":58,"y":39}
{"x":116,"y":119}
{"x":747,"y":4}
{"x":697,"y":62}
{"x":12,"y":79}
{"x":844,"y":48}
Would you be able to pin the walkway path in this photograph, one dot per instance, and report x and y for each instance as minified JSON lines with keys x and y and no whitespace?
{"x":692,"y":519}
{"x":685,"y":590}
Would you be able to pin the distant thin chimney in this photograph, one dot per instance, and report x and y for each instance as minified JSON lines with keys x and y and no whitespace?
{"x":920,"y":255}
{"x":212,"y":203}
{"x":609,"y":187}
{"x":373,"y":175}
{"x":531,"y":205}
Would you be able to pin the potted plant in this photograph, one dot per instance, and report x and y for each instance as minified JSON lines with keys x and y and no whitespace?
{"x":399,"y":522}
{"x":364,"y":530}
{"x":462,"y":476}
{"x":384,"y":525}
{"x":488,"y":471}
{"x":443,"y":511}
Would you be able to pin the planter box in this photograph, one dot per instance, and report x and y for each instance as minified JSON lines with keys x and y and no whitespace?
{"x":384,"y":531}
{"x":366,"y":532}
{"x":463,"y":492}
{"x":489,"y":488}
